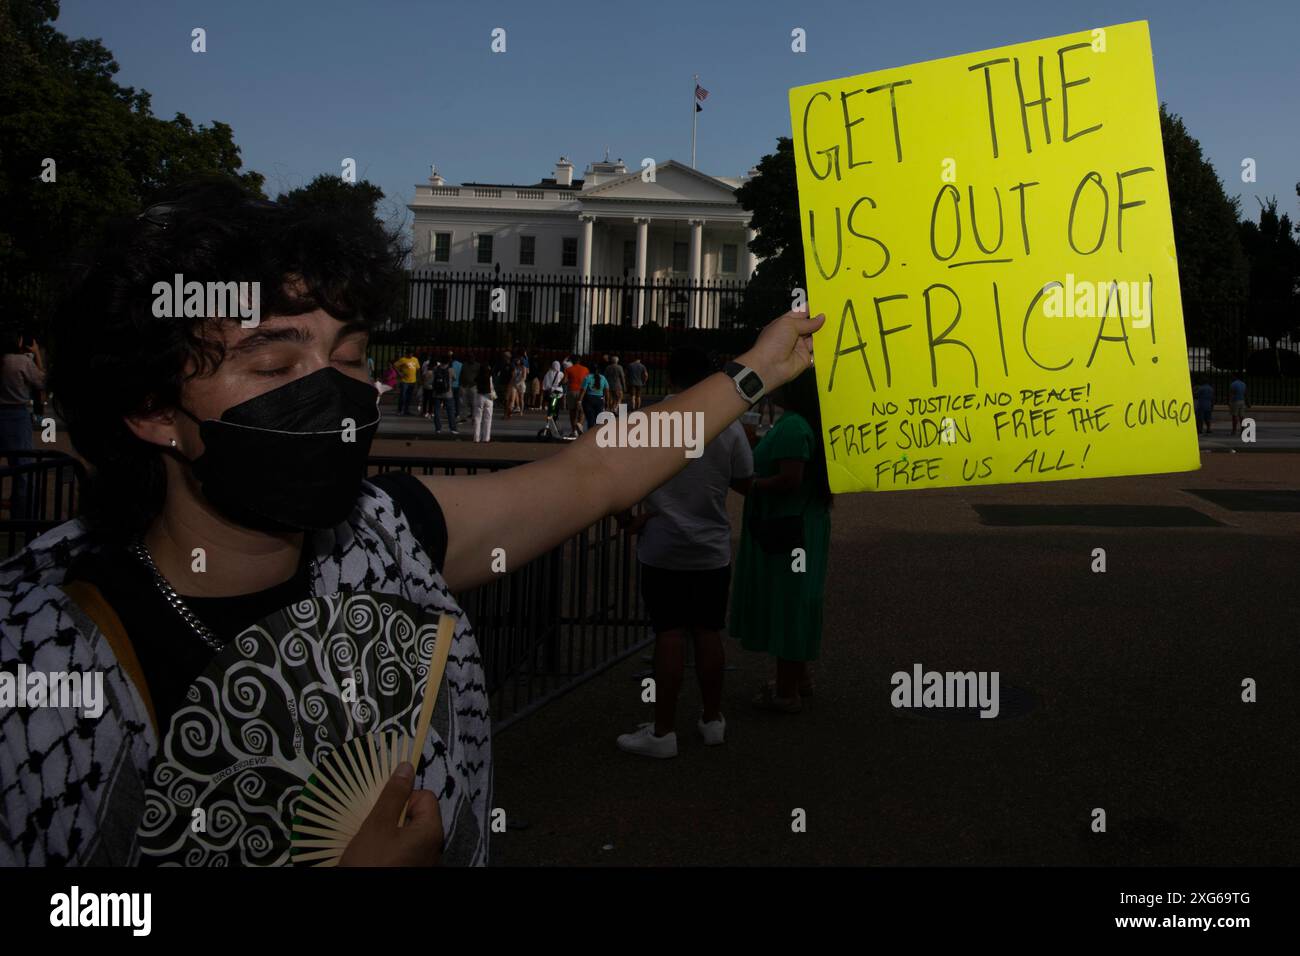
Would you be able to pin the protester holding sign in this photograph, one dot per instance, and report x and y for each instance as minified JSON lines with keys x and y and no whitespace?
{"x":229,"y":501}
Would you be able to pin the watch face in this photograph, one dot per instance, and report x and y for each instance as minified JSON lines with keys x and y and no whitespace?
{"x":750,"y":383}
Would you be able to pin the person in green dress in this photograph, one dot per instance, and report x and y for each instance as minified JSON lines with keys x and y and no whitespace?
{"x":784,"y":545}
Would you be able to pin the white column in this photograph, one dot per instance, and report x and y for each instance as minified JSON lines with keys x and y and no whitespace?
{"x":582,"y":335}
{"x":642,"y":242}
{"x":697,"y":255}
{"x":586,"y":244}
{"x":751,"y":260}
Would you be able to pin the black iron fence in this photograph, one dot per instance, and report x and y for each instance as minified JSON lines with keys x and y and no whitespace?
{"x":493,"y":309}
{"x":478,"y":315}
{"x":1230,"y":349}
{"x":39,"y":489}
{"x":28,"y":299}
{"x":542,"y":629}
{"x":559,"y":620}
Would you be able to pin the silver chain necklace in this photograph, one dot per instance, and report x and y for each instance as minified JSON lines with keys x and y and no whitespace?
{"x":178,"y":605}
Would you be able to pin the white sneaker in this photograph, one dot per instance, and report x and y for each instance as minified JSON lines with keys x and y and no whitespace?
{"x":645,"y":743}
{"x":714,"y":731}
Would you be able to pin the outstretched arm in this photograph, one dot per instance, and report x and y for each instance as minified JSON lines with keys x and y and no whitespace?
{"x":530,"y":509}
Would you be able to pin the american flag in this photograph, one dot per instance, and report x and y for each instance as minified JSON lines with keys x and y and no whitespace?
{"x":701,"y":93}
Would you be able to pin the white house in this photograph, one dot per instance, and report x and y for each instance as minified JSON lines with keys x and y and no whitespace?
{"x":669,"y":222}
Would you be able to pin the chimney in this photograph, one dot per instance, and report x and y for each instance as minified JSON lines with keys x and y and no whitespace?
{"x":563,"y":172}
{"x":435,"y":179}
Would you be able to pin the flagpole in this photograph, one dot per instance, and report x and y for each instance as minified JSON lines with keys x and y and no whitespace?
{"x":695,"y":112}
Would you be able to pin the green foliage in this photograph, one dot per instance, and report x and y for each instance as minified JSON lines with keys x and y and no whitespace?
{"x":1212,"y":268}
{"x":58,"y":100}
{"x":1274,"y":255}
{"x":772,"y":199}
{"x":332,"y":193}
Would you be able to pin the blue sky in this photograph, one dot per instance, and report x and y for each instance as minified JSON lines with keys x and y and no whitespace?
{"x":398,"y":84}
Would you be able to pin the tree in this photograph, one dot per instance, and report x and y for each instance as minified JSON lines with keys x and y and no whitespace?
{"x":331,"y":192}
{"x":1274,"y":257}
{"x":772,"y":200}
{"x":59,"y":101}
{"x":1212,"y":269}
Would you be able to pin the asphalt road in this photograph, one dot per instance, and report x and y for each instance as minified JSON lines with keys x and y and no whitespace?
{"x":1121,"y":691}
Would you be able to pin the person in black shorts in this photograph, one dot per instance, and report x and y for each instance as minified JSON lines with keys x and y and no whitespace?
{"x":684,"y":551}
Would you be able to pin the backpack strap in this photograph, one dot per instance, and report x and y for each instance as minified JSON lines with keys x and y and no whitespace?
{"x":88,"y":597}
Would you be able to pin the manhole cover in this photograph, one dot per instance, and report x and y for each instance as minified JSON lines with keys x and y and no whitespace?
{"x":1095,"y":516}
{"x":1012,"y":702}
{"x":1248,"y":500}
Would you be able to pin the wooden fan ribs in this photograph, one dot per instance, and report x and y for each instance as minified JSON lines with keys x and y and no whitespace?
{"x":337,"y":799}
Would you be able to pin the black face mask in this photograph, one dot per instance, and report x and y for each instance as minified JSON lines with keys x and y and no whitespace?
{"x":280,"y":461}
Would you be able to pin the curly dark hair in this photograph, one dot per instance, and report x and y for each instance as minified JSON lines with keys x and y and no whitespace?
{"x":115,"y":358}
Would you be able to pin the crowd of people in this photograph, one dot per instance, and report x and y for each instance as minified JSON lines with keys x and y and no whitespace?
{"x":439,"y":386}
{"x":684,"y":546}
{"x":774,"y":585}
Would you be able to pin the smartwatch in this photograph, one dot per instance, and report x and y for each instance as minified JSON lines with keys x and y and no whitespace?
{"x":748,"y":384}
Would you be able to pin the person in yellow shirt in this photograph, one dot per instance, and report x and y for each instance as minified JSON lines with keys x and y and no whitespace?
{"x":408,"y":368}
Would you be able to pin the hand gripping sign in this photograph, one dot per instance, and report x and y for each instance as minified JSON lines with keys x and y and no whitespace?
{"x":989,"y":236}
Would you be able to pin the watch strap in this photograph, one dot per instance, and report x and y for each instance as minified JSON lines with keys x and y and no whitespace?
{"x":738,"y":373}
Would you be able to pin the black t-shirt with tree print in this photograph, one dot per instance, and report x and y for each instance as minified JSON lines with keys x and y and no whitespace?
{"x":171,"y":654}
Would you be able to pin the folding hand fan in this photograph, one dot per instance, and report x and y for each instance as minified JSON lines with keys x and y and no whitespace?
{"x":284,"y":743}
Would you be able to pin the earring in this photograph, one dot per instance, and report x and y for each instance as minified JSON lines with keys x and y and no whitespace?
{"x":173,"y":442}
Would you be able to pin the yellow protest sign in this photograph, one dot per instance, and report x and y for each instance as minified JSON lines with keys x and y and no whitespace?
{"x":989,"y":237}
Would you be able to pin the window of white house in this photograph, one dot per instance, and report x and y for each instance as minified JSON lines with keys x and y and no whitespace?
{"x":681,"y":252}
{"x":482,"y":304}
{"x":569,"y":254}
{"x":527,"y":250}
{"x":441,"y":247}
{"x":485,"y":248}
{"x":629,"y":254}
{"x":728,"y":257}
